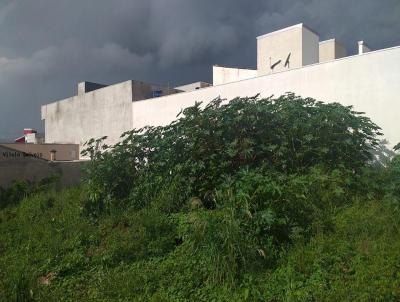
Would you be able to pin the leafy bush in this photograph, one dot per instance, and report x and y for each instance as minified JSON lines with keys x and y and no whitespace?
{"x":393,"y":179}
{"x":206,"y":145}
{"x":21,"y":189}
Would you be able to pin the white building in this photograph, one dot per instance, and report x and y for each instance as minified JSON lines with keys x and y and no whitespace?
{"x":292,"y":59}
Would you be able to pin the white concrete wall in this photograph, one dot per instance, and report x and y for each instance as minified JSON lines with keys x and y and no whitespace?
{"x":276,"y":46}
{"x":300,"y":42}
{"x":310,"y":47}
{"x":327,"y":50}
{"x":330,"y":50}
{"x":106,"y":111}
{"x":223,"y":75}
{"x":369,"y":82}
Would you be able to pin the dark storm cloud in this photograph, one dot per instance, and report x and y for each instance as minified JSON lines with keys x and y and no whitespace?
{"x":47,"y":46}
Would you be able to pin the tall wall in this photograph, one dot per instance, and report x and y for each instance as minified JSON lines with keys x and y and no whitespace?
{"x":106,"y":111}
{"x":223,"y":75}
{"x":330,"y":50}
{"x":298,"y":43}
{"x":369,"y":82}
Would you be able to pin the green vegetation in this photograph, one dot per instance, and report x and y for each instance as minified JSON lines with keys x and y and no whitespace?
{"x":251,"y":200}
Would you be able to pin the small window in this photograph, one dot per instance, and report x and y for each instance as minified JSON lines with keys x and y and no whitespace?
{"x":156,"y":93}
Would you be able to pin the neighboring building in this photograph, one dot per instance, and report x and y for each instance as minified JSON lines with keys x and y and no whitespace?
{"x":31,"y":144}
{"x":30,"y":137}
{"x":288,"y":60}
{"x":192,"y":86}
{"x":331,"y":50}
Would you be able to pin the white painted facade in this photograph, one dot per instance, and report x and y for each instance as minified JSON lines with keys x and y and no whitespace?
{"x":103,"y":112}
{"x":288,"y":48}
{"x":368,"y":81}
{"x":106,"y":111}
{"x":223,"y":75}
{"x":331,"y":50}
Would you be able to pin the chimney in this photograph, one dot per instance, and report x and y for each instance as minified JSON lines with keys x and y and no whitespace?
{"x":362,"y":48}
{"x":53,"y":155}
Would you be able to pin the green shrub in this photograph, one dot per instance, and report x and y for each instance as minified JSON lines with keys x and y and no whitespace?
{"x":204,"y":146}
{"x":18,"y":190}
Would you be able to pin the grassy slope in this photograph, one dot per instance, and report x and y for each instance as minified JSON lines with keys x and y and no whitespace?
{"x":255,"y":200}
{"x":133,"y":256}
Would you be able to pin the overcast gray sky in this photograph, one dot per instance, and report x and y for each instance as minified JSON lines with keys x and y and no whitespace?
{"x":48,"y":46}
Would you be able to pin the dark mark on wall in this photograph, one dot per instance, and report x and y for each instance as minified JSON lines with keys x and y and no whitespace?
{"x":10,"y":154}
